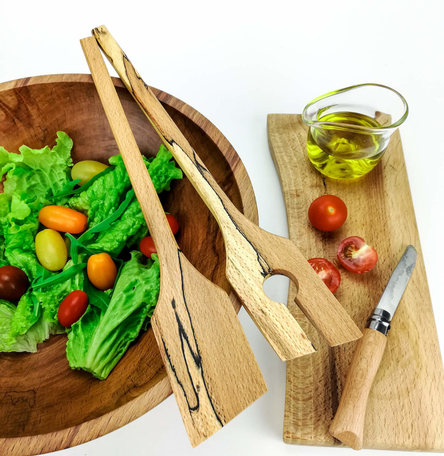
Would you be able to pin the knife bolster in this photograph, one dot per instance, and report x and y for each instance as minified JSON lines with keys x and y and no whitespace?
{"x":380,"y":321}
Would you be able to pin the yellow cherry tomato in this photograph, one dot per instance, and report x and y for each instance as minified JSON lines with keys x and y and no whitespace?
{"x":85,"y":170}
{"x":64,"y":219}
{"x":51,"y":250}
{"x":102,"y":271}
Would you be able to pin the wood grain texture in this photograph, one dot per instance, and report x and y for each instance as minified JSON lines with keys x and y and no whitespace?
{"x":253,"y":254}
{"x":348,"y":423}
{"x":213,"y":380}
{"x":44,"y":405}
{"x":405,"y":410}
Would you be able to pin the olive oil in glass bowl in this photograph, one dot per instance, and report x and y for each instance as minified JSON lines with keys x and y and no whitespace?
{"x":350,"y":128}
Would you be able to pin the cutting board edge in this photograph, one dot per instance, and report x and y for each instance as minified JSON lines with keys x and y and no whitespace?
{"x":305,"y":442}
{"x":289,"y":437}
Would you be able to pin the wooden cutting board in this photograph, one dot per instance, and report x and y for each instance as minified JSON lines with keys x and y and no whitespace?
{"x":406,"y":404}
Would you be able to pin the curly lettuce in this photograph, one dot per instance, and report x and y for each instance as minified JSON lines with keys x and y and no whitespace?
{"x":99,"y":339}
{"x":36,"y":334}
{"x":130,"y":228}
{"x":38,"y":177}
{"x":30,"y":178}
{"x":37,"y":173}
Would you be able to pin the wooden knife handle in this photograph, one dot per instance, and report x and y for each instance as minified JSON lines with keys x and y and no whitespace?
{"x":348,"y":423}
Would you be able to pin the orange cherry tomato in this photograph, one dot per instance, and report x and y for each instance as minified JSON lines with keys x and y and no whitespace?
{"x":72,"y":308}
{"x":327,"y":213}
{"x":174,"y":224}
{"x":147,"y":246}
{"x":60,"y":218}
{"x":102,"y":271}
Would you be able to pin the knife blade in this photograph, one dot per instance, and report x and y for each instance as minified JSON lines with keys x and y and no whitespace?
{"x":348,"y":423}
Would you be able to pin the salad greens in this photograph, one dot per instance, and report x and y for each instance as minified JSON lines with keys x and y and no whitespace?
{"x":99,"y":339}
{"x":39,"y":177}
{"x":26,"y":342}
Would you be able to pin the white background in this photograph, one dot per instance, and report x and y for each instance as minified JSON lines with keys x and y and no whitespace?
{"x":235,"y":62}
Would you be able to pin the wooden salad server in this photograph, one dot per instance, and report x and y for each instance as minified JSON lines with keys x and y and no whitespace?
{"x":252,"y":254}
{"x":212,"y":370}
{"x":348,"y":423}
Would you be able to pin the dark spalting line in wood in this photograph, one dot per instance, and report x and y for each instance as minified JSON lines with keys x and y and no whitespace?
{"x":266,"y":271}
{"x":265,"y":267}
{"x":196,"y":356}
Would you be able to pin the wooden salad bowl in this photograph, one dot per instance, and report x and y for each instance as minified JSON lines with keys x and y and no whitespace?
{"x":44,"y":405}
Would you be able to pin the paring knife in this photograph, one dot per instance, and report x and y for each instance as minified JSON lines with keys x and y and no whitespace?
{"x":348,"y":423}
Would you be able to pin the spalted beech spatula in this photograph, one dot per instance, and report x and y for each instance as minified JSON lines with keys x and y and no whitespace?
{"x":253,"y":254}
{"x":212,"y":369}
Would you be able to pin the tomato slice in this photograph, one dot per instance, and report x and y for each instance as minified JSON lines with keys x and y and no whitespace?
{"x":327,"y":271}
{"x":356,"y":255}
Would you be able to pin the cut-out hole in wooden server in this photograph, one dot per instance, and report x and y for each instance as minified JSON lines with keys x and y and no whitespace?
{"x":252,"y":253}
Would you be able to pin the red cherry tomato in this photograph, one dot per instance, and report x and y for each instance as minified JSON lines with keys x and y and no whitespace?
{"x":147,"y":246}
{"x":72,"y":308}
{"x":174,"y":224}
{"x":327,"y":271}
{"x":13,"y":283}
{"x":356,"y":256}
{"x":327,"y":213}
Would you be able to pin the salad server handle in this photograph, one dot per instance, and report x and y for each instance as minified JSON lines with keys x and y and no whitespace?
{"x":253,"y":254}
{"x":348,"y":423}
{"x":210,"y":365}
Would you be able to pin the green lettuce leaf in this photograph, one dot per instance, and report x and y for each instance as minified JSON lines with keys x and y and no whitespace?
{"x":49,"y":298}
{"x":163,"y":170}
{"x":37,"y":173}
{"x":24,"y":316}
{"x":114,"y":239}
{"x":31,"y":177}
{"x":130,"y":228}
{"x":104,"y":196}
{"x":99,"y":339}
{"x":37,"y":333}
{"x":19,"y":224}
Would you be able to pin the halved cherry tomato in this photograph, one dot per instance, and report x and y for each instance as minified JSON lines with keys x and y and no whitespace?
{"x":72,"y":308}
{"x":13,"y":283}
{"x":85,"y":170}
{"x":327,"y":213}
{"x":60,"y":218}
{"x":356,"y":256}
{"x":102,"y":271}
{"x":327,"y":271}
{"x":147,"y":246}
{"x":51,"y":250}
{"x":174,"y":224}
